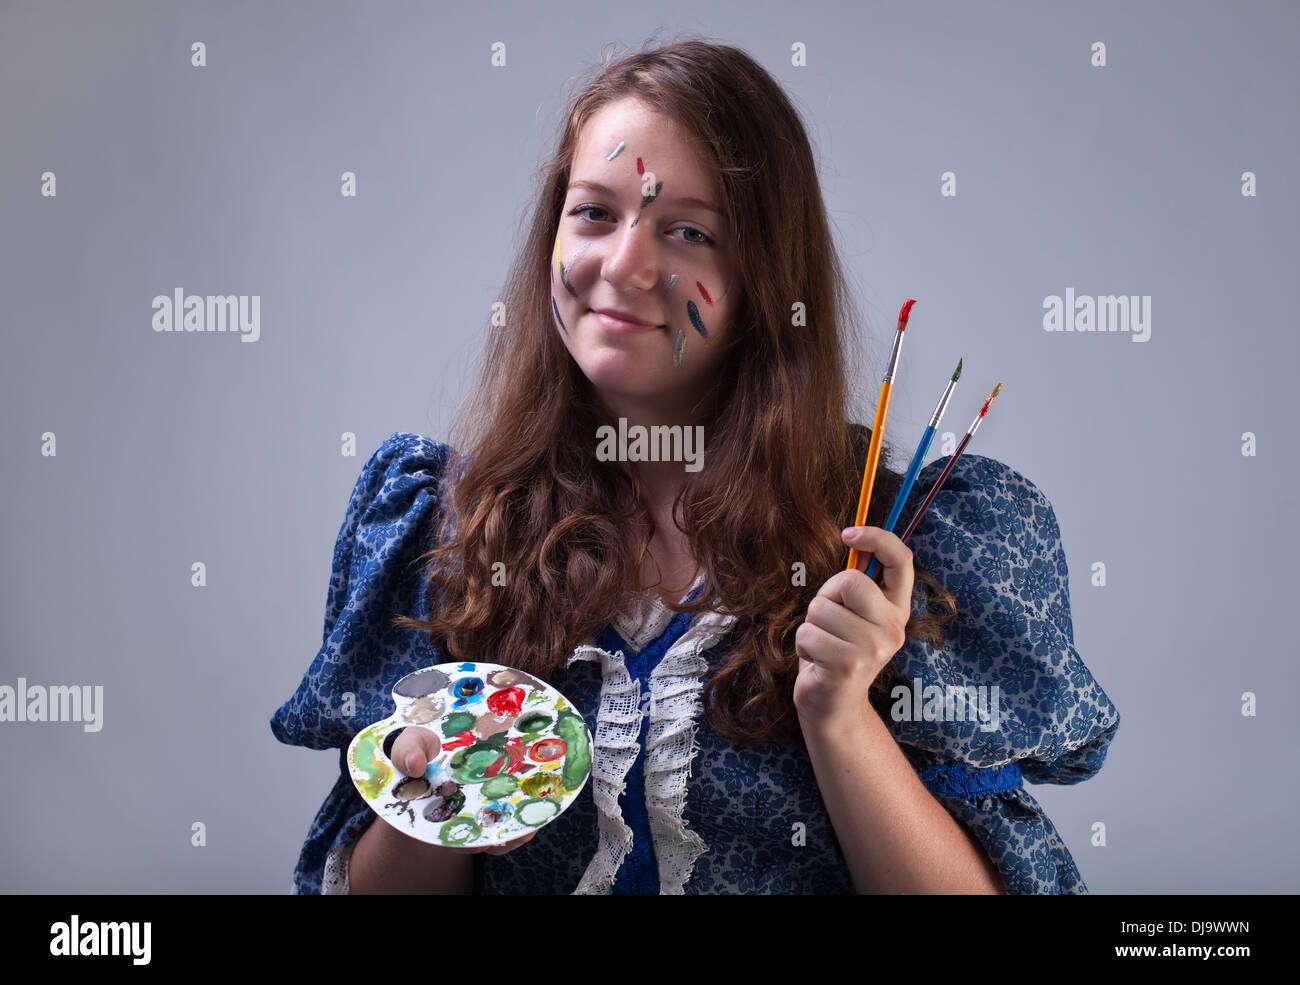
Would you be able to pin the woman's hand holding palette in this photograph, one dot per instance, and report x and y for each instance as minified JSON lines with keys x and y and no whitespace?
{"x":510,"y":754}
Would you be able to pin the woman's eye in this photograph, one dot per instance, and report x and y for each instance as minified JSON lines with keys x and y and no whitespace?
{"x":704,"y":240}
{"x":584,"y":210}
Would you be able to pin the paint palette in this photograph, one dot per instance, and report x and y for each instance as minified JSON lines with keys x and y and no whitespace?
{"x":512,"y":755}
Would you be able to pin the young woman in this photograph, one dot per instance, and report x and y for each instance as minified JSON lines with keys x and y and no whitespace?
{"x":764,"y":720}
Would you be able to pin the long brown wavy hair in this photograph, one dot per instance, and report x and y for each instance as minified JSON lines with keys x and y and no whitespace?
{"x":784,"y":460}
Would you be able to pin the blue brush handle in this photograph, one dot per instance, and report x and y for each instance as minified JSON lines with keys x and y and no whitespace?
{"x":908,"y":481}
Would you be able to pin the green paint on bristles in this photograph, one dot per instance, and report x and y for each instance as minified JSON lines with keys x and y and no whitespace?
{"x":958,"y":372}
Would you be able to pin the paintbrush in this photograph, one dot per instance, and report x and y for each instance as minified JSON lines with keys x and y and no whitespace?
{"x":878,"y":429}
{"x":943,"y":476}
{"x":910,"y":478}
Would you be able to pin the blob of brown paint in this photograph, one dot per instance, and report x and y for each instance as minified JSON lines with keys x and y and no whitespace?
{"x":412,"y":788}
{"x":425,"y":709}
{"x":508,"y":676}
{"x":491,"y":724}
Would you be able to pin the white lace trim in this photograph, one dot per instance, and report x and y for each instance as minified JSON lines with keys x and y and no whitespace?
{"x":335,"y":882}
{"x":676,"y":684}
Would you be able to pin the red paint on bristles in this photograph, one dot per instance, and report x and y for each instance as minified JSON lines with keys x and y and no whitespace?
{"x":703,"y":292}
{"x":640,"y":168}
{"x":904,"y":314}
{"x":991,"y":397}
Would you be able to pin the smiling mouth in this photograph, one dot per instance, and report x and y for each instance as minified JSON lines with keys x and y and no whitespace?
{"x":615,"y":324}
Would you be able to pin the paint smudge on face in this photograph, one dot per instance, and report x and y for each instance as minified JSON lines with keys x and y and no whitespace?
{"x":730,"y":326}
{"x":422,"y":682}
{"x":565,"y":270}
{"x":727,"y":291}
{"x":535,"y":812}
{"x":703,"y":293}
{"x":652,"y":194}
{"x":635,"y":221}
{"x":672,"y":282}
{"x":678,"y":346}
{"x":555,"y":308}
{"x":425,"y":709}
{"x":640,"y":168}
{"x":616,"y":151}
{"x":693,"y":313}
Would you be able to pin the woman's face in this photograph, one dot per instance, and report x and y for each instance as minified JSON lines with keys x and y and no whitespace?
{"x":641,"y":234}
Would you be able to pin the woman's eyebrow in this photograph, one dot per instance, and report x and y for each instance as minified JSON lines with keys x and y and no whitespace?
{"x":688,"y":200}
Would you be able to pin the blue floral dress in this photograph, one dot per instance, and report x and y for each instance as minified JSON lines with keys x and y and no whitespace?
{"x":674,"y":807}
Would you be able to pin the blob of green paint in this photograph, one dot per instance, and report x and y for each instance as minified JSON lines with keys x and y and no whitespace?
{"x":470,"y":765}
{"x":533,"y":722}
{"x":460,"y":829}
{"x":502,"y":785}
{"x":577,"y":755}
{"x":377,"y":772}
{"x":458,"y":723}
{"x":537,"y":811}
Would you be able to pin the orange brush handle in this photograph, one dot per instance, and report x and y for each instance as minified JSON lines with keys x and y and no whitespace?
{"x":869,"y":473}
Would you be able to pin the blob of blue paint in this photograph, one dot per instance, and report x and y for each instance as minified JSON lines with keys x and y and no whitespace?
{"x":558,"y":320}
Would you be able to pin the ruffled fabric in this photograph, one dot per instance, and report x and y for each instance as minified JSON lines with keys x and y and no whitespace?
{"x":721,"y":815}
{"x":675,"y":685}
{"x":992,"y":539}
{"x":349,"y":683}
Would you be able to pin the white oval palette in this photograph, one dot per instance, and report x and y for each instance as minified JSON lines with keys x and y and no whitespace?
{"x":513,"y":754}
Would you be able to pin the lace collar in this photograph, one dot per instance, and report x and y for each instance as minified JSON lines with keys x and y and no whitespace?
{"x":675,"y":687}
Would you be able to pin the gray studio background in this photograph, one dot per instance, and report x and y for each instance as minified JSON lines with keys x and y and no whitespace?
{"x":180,"y":447}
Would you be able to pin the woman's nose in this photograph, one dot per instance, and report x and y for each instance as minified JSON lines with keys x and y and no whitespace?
{"x":633,"y":260}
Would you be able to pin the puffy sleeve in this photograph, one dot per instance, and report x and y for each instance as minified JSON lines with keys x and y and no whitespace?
{"x":391,"y":516}
{"x":1008,"y":698}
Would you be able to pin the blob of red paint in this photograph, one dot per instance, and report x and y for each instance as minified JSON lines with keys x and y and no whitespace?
{"x":507,"y":701}
{"x":466,"y":738}
{"x":703,"y":293}
{"x":640,"y":168}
